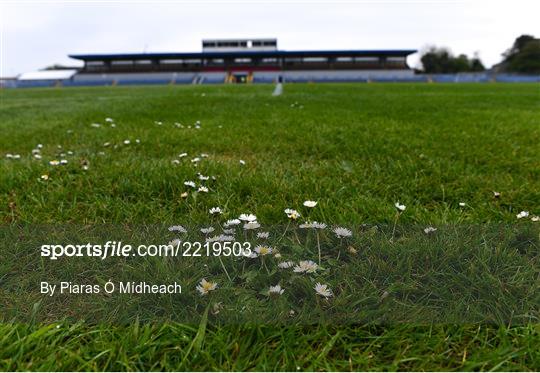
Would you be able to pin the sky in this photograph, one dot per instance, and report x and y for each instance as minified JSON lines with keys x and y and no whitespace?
{"x":36,"y":34}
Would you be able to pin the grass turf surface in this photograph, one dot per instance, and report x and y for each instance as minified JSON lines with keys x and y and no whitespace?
{"x":357,"y":149}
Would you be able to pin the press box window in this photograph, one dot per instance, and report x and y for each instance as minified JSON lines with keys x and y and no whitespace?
{"x":122,"y":63}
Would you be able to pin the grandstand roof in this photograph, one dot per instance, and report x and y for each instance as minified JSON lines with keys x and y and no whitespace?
{"x":248,"y":53}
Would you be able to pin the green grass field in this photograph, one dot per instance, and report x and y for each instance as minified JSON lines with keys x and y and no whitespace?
{"x":356,"y":149}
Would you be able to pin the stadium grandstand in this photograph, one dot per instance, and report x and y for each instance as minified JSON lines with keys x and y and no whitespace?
{"x":245,"y":61}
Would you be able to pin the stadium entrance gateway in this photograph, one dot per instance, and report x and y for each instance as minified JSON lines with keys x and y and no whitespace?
{"x":240,"y":78}
{"x":244,"y":61}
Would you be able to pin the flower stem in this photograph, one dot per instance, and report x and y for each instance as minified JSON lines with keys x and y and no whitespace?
{"x":394,"y":228}
{"x":225,"y":269}
{"x":318,"y":246}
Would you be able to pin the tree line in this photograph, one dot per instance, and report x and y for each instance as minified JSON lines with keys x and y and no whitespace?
{"x":523,"y":57}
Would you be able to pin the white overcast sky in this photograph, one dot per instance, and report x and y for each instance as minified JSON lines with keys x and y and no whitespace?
{"x":35,"y":34}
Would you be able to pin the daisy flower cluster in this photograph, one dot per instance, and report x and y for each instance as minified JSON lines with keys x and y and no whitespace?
{"x":248,"y":223}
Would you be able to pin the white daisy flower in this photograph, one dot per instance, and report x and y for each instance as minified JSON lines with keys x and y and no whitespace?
{"x":203,"y":178}
{"x":306,"y":266}
{"x":220,"y":238}
{"x":54,"y":162}
{"x":105,"y":144}
{"x":462,"y":204}
{"x":535,"y":218}
{"x":263,"y":250}
{"x":342,"y":232}
{"x":314,"y":225}
{"x":242,"y":162}
{"x":204,"y":155}
{"x":63,"y":161}
{"x":400,"y":207}
{"x":110,"y":120}
{"x":323,"y":290}
{"x":195,"y":160}
{"x":251,"y":255}
{"x":184,"y":195}
{"x":310,"y":203}
{"x":175,"y":243}
{"x":215,"y":210}
{"x":37,"y":156}
{"x":127,"y":142}
{"x":285,"y":265}
{"x":263,"y":235}
{"x":207,"y":230}
{"x":247,"y":217}
{"x":202,"y":189}
{"x":205,"y":287}
{"x":522,"y":214}
{"x":177,"y":228}
{"x":45,"y":177}
{"x":275,"y":290}
{"x":228,"y":223}
{"x":39,"y":146}
{"x":251,"y":225}
{"x":175,"y":161}
{"x":95,"y":125}
{"x":190,"y":184}
{"x":429,"y":230}
{"x":182,"y":155}
{"x":496,"y":194}
{"x":317,"y":225}
{"x":292,"y":214}
{"x":228,"y":231}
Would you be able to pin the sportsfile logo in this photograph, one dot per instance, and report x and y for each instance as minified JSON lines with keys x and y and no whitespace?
{"x":109,"y":249}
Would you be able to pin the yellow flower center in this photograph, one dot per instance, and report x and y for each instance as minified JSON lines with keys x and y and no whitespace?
{"x":207,"y":286}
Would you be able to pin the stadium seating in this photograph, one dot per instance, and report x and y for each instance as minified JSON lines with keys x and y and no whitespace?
{"x":80,"y":80}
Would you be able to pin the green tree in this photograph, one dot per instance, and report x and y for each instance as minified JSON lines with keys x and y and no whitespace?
{"x":441,"y":61}
{"x":524,"y":56}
